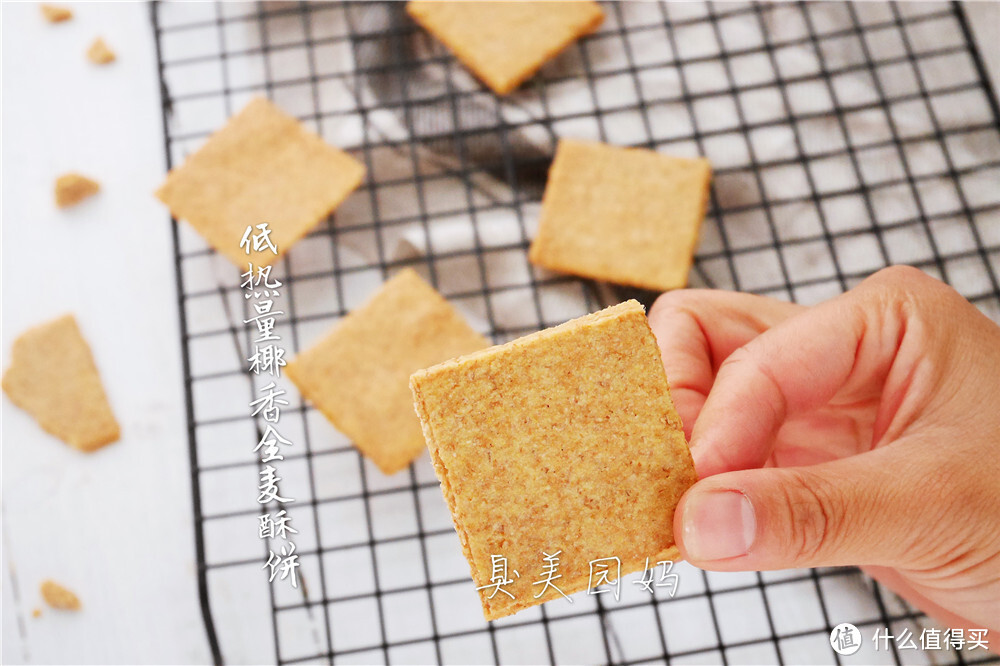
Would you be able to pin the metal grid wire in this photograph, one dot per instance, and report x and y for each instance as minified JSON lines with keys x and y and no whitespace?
{"x":842,"y":139}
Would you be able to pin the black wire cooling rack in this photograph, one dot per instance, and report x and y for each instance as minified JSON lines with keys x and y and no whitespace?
{"x":844,"y":138}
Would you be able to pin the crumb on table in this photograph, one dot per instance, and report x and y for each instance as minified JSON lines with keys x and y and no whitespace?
{"x":57,"y":596}
{"x":55,"y":13}
{"x":72,"y":188}
{"x":53,"y":377}
{"x":100,"y":53}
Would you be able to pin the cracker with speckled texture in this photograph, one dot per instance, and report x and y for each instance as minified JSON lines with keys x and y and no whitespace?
{"x":564,"y":440}
{"x":624,"y":215}
{"x":357,"y":374}
{"x":504,"y":43}
{"x":52,"y":376}
{"x":263,"y":166}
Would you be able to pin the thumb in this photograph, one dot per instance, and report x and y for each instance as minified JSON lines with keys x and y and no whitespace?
{"x":866,"y":509}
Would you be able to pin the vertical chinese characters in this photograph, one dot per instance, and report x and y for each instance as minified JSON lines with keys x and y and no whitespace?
{"x":267,"y":357}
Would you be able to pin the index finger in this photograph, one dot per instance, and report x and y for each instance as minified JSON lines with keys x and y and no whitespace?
{"x":697,"y":329}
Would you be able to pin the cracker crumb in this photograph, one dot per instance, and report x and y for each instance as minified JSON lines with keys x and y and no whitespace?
{"x":562,"y":443}
{"x":72,"y":188}
{"x":52,"y":376}
{"x":37,"y":612}
{"x":56,"y":14}
{"x":100,"y":53}
{"x":57,"y":596}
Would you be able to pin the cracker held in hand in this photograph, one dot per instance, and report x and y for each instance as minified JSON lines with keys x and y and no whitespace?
{"x":623,"y":215}
{"x":357,"y":375}
{"x":263,"y":166}
{"x":504,"y":43}
{"x":564,"y":442}
{"x":52,"y":376}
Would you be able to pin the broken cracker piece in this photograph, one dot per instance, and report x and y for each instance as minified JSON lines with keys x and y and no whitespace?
{"x":505,"y":43}
{"x":357,"y":374}
{"x":562,"y":443}
{"x":263,"y":166}
{"x":55,"y":14}
{"x":100,"y":53}
{"x":624,"y":215}
{"x":52,"y":376}
{"x":72,"y":188}
{"x":57,"y":596}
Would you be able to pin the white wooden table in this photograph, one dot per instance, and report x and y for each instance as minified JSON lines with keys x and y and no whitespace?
{"x":114,"y":526}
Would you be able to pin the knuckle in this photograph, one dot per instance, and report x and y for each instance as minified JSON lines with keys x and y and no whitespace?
{"x":814,"y":518}
{"x":674,"y":302}
{"x":900,"y":274}
{"x":675,"y":306}
{"x":902,"y":285}
{"x":740,"y":357}
{"x":892,"y":294}
{"x":909,"y":297}
{"x":889,"y":285}
{"x":756,"y":357}
{"x":731,"y":366}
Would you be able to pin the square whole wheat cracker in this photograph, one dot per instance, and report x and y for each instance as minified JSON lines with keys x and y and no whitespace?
{"x":52,"y":376}
{"x":564,"y":441}
{"x":357,"y":374}
{"x":505,"y":43}
{"x":263,"y":166}
{"x":624,"y":215}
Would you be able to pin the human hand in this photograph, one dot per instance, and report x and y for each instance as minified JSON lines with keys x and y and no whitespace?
{"x":861,"y":431}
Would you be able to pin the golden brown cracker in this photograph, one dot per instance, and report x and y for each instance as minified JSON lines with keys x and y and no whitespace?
{"x":56,"y":14}
{"x":72,"y":188}
{"x":623,"y":215}
{"x":357,"y":374}
{"x":263,"y":166}
{"x":52,"y":376}
{"x":57,"y":596}
{"x":100,"y":53}
{"x":564,"y":440}
{"x":504,"y":43}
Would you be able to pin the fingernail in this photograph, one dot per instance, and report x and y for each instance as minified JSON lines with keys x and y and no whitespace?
{"x":705,"y":462}
{"x":698,"y":458}
{"x":718,"y":525}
